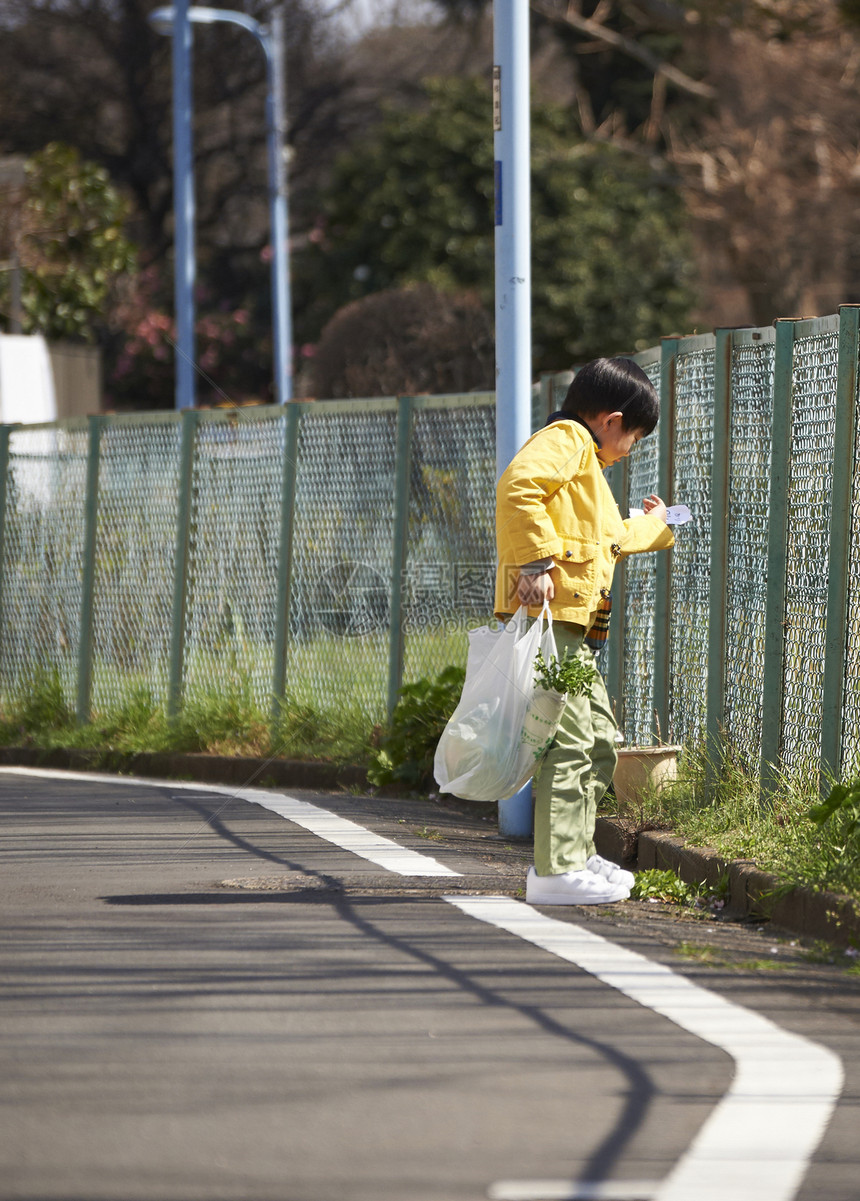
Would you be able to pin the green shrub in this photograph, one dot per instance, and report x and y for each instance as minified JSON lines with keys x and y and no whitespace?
{"x":406,"y":746}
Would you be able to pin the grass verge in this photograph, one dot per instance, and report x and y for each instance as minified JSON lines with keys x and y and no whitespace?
{"x":221,"y":721}
{"x":724,"y":808}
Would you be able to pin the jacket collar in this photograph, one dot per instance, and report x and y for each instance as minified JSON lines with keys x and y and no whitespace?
{"x":560,"y":415}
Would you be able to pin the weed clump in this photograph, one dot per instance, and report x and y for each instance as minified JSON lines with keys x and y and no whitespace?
{"x":406,"y":747}
{"x":656,"y":884}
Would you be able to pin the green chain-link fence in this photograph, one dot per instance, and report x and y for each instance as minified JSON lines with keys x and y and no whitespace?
{"x":330,"y":551}
{"x":325,"y":551}
{"x":749,"y":632}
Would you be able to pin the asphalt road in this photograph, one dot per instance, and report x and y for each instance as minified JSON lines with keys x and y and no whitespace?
{"x":201,"y":998}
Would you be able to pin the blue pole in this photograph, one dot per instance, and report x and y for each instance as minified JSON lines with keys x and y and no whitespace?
{"x":183,"y":207}
{"x":513,"y":274}
{"x":282,"y":332}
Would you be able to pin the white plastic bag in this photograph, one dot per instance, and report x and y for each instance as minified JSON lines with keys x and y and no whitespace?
{"x":503,"y":724}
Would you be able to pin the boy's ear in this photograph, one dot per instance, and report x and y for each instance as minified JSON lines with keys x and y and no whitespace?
{"x":607,"y":419}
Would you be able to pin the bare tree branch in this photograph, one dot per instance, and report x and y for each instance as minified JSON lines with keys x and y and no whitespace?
{"x":651,"y":129}
{"x":618,"y":42}
{"x":668,"y":15}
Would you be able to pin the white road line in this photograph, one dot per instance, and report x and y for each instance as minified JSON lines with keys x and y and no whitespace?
{"x":346,"y":834}
{"x":757,"y":1143}
{"x":339,"y":831}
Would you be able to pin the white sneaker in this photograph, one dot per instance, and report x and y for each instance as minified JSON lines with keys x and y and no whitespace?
{"x":610,"y":871}
{"x":573,"y":888}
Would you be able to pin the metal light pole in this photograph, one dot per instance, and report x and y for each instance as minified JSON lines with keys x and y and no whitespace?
{"x":282,"y":326}
{"x":513,"y":273}
{"x":271,"y":39}
{"x":184,"y":259}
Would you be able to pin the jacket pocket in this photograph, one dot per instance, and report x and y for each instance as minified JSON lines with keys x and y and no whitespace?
{"x":577,"y":550}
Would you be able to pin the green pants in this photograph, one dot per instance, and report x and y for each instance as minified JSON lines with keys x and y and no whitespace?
{"x":576,"y":771}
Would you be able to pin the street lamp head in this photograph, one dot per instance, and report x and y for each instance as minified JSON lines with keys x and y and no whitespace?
{"x":161,"y":20}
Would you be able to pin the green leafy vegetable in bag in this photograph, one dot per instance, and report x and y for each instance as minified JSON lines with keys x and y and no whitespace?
{"x":566,"y":674}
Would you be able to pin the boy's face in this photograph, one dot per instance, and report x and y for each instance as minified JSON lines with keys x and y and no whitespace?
{"x":615,"y":441}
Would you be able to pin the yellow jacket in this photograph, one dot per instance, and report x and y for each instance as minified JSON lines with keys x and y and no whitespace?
{"x":553,"y":501}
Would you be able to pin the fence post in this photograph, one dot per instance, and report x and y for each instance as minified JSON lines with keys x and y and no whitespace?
{"x":85,"y":636}
{"x":546,"y":395}
{"x":777,"y":549}
{"x":619,"y":481}
{"x":840,"y":543}
{"x":663,"y":570}
{"x":402,"y":475}
{"x":180,"y":570}
{"x":715,"y":699}
{"x":292,"y":412}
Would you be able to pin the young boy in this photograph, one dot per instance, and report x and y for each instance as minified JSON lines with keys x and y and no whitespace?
{"x":559,"y":535}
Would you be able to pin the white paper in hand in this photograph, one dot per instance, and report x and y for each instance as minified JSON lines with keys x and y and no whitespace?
{"x":678,"y":515}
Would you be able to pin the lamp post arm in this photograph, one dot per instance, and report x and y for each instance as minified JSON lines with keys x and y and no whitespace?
{"x":271,"y":38}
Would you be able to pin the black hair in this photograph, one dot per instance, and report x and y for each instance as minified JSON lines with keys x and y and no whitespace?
{"x":614,"y":386}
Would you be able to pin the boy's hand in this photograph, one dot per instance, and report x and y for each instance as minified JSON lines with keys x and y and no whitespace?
{"x":653,"y":504}
{"x":535,"y":589}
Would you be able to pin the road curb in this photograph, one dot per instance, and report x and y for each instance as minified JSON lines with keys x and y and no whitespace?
{"x":753,"y":893}
{"x":246,"y":772}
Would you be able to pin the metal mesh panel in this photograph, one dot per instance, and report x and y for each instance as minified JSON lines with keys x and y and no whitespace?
{"x":42,"y":567}
{"x":555,"y":387}
{"x":450,"y":566}
{"x":809,"y":495}
{"x":233,"y":565}
{"x":851,"y":705}
{"x":343,"y":555}
{"x":689,"y":600}
{"x":134,"y":564}
{"x":746,"y":587}
{"x":639,"y":593}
